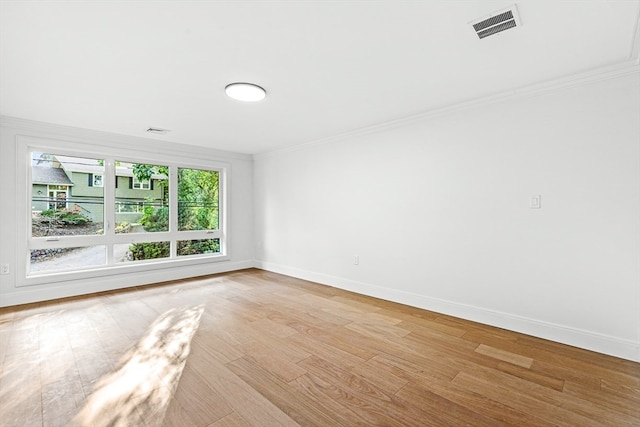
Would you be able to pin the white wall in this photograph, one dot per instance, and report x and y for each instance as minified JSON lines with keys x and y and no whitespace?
{"x":438,"y":212}
{"x":12,"y":194}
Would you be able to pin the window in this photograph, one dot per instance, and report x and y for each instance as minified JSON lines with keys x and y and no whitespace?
{"x":197,"y":199}
{"x":96,"y":180}
{"x":148,"y":212}
{"x":57,"y":196}
{"x":88,"y":213}
{"x":144,"y":184}
{"x":62,"y":201}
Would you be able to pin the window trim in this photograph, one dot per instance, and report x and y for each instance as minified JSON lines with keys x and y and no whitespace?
{"x":27,"y":144}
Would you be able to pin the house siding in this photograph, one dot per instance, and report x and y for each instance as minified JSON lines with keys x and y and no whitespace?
{"x":123,"y":190}
{"x":39,"y":202}
{"x":90,"y":200}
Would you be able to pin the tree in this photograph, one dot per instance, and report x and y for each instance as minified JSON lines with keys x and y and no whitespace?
{"x":198,"y":192}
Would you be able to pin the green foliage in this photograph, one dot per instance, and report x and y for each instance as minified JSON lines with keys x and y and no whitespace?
{"x":65,"y":217}
{"x":154,"y":250}
{"x":193,"y":247}
{"x":198,"y":199}
{"x":144,"y":172}
{"x":155,"y":219}
{"x":151,"y":250}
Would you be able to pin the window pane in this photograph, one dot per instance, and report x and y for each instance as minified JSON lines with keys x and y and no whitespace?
{"x":140,"y":251}
{"x":197,"y":199}
{"x":64,"y":199}
{"x":196,"y":247}
{"x":62,"y":259}
{"x":142,"y":198}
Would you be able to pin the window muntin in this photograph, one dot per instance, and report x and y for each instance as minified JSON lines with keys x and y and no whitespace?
{"x":165,"y":244}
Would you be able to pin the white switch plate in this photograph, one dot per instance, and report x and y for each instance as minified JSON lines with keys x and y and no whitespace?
{"x":535,"y":202}
{"x":4,"y":269}
{"x":356,"y":260}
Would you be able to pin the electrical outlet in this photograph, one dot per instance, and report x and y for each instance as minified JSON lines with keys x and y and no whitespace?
{"x":356,"y":260}
{"x":4,"y":269}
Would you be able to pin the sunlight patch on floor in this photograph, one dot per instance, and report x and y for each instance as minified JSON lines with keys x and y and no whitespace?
{"x":142,"y":386}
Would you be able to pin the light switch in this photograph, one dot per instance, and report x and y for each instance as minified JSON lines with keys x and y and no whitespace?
{"x":535,"y":202}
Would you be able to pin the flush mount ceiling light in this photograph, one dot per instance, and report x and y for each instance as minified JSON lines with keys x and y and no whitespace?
{"x":247,"y":92}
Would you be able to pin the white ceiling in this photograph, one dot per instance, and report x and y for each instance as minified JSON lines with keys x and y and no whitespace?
{"x":329,"y":67}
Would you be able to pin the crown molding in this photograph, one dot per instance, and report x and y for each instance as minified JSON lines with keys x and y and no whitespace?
{"x":579,"y":79}
{"x":48,"y":130}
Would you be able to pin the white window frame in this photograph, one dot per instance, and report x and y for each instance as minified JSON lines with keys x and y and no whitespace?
{"x":26,"y":145}
{"x":145,"y":184}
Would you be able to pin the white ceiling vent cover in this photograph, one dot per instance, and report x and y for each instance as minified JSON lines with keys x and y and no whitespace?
{"x":497,"y":22}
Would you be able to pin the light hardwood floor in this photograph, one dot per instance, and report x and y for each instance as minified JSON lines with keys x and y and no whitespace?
{"x":253,"y":348}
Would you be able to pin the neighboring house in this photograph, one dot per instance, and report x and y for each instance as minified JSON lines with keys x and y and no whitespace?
{"x":51,"y":188}
{"x":73,"y":183}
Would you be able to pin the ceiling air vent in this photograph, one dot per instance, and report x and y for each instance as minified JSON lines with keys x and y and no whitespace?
{"x":497,"y":22}
{"x":157,"y":131}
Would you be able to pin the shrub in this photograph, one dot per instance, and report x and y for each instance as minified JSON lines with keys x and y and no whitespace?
{"x":193,"y":247}
{"x":155,"y":219}
{"x":65,"y":217}
{"x":151,"y":250}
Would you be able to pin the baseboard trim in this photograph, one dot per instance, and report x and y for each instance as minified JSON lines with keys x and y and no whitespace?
{"x":46,"y":292}
{"x":613,"y":346}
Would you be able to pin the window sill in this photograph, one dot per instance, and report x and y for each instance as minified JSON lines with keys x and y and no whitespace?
{"x":113,"y":270}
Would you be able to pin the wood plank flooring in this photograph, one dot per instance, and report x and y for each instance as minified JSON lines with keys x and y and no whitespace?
{"x":253,"y":348}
